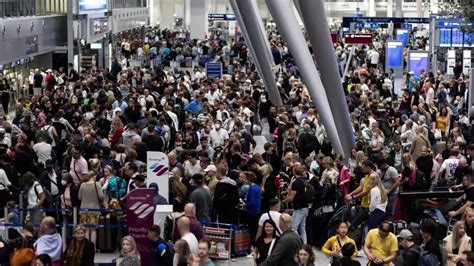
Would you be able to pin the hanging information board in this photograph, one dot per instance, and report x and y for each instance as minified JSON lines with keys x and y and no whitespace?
{"x":402,"y":35}
{"x":418,"y":61}
{"x":444,"y":37}
{"x":394,"y":54}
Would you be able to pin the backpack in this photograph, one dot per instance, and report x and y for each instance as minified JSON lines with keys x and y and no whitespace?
{"x":49,"y":140}
{"x":48,"y":200}
{"x":309,"y":192}
{"x":166,"y":258}
{"x":422,"y":182}
{"x":425,"y":258}
{"x":431,"y":136}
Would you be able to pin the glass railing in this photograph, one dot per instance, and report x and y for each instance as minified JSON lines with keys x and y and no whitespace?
{"x":21,"y":8}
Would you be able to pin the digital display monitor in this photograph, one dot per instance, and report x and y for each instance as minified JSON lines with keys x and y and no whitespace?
{"x":418,"y":61}
{"x":402,"y":35}
{"x":468,"y":39}
{"x":457,"y":38}
{"x":92,"y":5}
{"x":444,"y":37}
{"x":12,"y":64}
{"x":1,"y":68}
{"x":394,"y":54}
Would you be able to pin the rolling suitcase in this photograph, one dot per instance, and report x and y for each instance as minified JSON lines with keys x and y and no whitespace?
{"x":104,"y":235}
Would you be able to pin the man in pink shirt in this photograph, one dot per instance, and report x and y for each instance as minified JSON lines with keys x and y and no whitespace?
{"x":78,"y":165}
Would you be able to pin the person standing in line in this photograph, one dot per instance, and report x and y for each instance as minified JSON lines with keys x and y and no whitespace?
{"x":190,"y":238}
{"x":201,"y":197}
{"x":300,"y":206}
{"x":203,"y":253}
{"x":287,"y":247}
{"x":130,"y":254}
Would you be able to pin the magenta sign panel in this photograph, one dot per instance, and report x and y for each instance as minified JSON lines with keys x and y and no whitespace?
{"x":140,"y":212}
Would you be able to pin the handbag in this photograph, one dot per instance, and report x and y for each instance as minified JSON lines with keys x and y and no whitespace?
{"x":102,"y":204}
{"x":22,"y":256}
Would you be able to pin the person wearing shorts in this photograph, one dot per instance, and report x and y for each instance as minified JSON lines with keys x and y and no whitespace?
{"x":90,"y":194}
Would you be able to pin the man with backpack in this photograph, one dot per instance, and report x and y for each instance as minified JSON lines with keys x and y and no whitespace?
{"x":296,"y":195}
{"x":408,"y":253}
{"x":161,"y":251}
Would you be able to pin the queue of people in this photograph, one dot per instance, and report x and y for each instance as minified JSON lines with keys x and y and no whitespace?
{"x":81,"y":141}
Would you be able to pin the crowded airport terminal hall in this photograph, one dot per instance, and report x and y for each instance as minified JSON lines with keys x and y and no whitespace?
{"x":236,"y":132}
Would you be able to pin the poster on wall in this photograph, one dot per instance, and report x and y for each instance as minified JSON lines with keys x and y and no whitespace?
{"x":92,"y":5}
{"x":418,"y":61}
{"x":394,"y":54}
{"x":140,"y":213}
{"x":466,"y":61}
{"x":158,"y":172}
{"x":31,"y":44}
{"x":451,"y":63}
{"x":402,"y":35}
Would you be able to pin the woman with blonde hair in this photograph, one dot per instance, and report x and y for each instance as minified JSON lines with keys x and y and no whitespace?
{"x":267,"y":187}
{"x":408,"y":172}
{"x":377,"y":202}
{"x":456,"y":243}
{"x":130,"y":254}
{"x":80,"y":251}
{"x":330,"y":172}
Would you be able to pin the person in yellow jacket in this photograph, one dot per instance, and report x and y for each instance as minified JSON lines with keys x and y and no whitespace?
{"x":333,"y":245}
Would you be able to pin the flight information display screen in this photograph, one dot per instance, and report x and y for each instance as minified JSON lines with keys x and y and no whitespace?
{"x":444,"y":37}
{"x":457,"y":38}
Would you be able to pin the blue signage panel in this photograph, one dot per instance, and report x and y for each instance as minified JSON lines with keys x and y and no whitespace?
{"x":346,"y":21}
{"x":444,"y":37}
{"x":221,"y":16}
{"x":457,"y":38}
{"x":418,"y":60}
{"x":92,"y":5}
{"x":468,"y":39}
{"x":402,"y":35}
{"x":214,"y":70}
{"x":394,"y":54}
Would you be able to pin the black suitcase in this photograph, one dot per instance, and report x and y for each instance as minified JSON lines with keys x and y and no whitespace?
{"x":104,"y":235}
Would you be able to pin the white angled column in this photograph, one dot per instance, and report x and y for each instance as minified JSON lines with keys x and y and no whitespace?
{"x":167,"y":11}
{"x":250,"y":19}
{"x":282,"y":13}
{"x":314,"y":18}
{"x":198,"y":19}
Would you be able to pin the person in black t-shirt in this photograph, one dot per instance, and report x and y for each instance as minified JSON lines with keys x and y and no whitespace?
{"x":296,"y":195}
{"x":468,"y":184}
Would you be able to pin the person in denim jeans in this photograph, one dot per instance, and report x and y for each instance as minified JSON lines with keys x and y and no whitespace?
{"x":300,"y":206}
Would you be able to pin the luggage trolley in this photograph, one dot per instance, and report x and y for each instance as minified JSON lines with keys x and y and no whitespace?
{"x":220,"y":238}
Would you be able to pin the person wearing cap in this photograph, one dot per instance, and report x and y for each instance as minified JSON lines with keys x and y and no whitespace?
{"x":408,"y":253}
{"x":381,"y":245}
{"x":211,"y":179}
{"x":201,"y":197}
{"x":139,"y":181}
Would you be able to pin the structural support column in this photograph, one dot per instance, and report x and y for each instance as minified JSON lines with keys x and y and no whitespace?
{"x":281,"y":11}
{"x":70,"y":33}
{"x":398,"y":8}
{"x":167,"y":13}
{"x":187,"y":12}
{"x":198,"y":19}
{"x":371,"y":8}
{"x":419,"y":8}
{"x":389,"y":8}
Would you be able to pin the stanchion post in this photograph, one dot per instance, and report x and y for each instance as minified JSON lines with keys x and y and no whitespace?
{"x":64,"y":233}
{"x":5,"y":213}
{"x":22,"y":213}
{"x":74,"y":216}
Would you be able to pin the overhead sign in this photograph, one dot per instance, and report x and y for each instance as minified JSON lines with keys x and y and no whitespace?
{"x":157,"y":171}
{"x":334,"y":37}
{"x":214,"y":70}
{"x":444,"y":37}
{"x":96,"y":46}
{"x":358,"y":38}
{"x":346,"y":21}
{"x":402,"y":35}
{"x":394,"y":54}
{"x":225,"y":17}
{"x":417,"y":61}
{"x":92,"y":5}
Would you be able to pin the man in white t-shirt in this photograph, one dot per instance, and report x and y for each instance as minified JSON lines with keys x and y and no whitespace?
{"x":218,"y":135}
{"x":374,"y":59}
{"x":186,"y":235}
{"x":43,"y":150}
{"x":448,"y":167}
{"x":273,"y":215}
